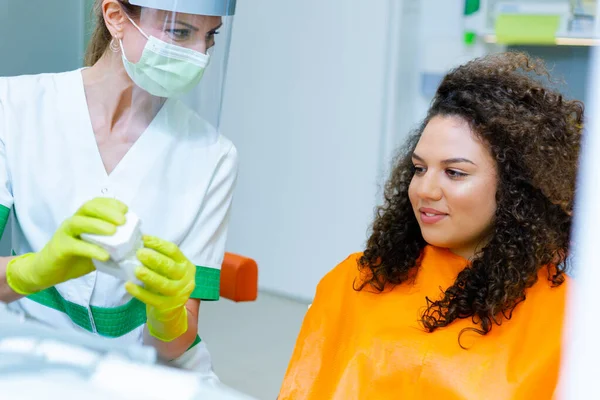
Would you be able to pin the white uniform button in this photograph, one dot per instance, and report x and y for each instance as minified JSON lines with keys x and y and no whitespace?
{"x":104,"y":190}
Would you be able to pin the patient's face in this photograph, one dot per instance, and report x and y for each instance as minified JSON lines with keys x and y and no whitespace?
{"x":453,"y":191}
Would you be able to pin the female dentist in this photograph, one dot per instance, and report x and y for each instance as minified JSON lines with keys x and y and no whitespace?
{"x":80,"y":148}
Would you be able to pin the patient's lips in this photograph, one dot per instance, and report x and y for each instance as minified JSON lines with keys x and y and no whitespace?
{"x":431,"y":216}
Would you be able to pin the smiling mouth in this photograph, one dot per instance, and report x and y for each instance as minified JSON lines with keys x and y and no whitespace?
{"x":431,"y":212}
{"x":430,"y":218}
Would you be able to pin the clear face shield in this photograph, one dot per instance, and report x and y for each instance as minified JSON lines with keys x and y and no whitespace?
{"x":176,"y":50}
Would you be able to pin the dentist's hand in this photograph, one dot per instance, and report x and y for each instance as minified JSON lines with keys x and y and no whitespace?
{"x":66,"y":256}
{"x":169,"y":280}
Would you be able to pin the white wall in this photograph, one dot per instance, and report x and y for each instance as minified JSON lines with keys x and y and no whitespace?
{"x":304,"y":105}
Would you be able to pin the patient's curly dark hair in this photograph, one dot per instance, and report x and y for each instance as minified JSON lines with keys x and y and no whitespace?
{"x":534,"y":135}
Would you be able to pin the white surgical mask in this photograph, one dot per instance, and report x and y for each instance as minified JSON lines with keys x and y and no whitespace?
{"x":166,"y":70}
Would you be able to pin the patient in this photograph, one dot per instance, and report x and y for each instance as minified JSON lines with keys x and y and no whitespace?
{"x":460,"y":292}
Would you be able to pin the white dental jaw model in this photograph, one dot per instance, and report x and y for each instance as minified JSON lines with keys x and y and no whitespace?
{"x":122,"y":247}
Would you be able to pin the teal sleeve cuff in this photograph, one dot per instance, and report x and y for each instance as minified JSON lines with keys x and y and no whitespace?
{"x":196,"y":341}
{"x":208,"y":284}
{"x":4,"y":214}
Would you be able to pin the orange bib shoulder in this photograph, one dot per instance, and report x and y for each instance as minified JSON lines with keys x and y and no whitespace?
{"x":360,"y":345}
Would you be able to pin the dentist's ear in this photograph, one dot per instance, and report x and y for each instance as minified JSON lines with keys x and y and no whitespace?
{"x":114,"y":17}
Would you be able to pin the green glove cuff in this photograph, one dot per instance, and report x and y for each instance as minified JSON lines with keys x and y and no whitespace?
{"x":167,"y":326}
{"x":15,"y":280}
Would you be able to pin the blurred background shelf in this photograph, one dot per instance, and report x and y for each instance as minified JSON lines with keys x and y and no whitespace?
{"x":532,"y":22}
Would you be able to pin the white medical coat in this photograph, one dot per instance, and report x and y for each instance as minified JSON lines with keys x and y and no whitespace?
{"x":178,"y":177}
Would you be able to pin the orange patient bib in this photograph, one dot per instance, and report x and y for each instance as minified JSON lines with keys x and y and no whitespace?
{"x":366,"y":345}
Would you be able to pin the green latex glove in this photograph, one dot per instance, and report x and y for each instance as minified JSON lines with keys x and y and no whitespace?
{"x":169,"y":280}
{"x":66,"y":256}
